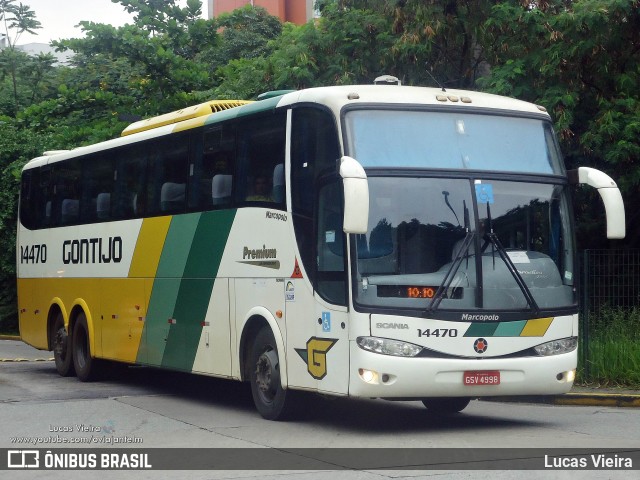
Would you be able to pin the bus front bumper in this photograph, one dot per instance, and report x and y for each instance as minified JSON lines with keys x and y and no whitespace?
{"x":375,"y":375}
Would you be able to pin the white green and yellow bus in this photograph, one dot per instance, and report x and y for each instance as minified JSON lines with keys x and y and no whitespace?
{"x":367,"y":241}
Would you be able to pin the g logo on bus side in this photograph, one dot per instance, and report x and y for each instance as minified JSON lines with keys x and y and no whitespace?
{"x":315,"y":355}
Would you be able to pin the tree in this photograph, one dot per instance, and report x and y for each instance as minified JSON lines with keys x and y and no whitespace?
{"x":336,"y":50}
{"x":17,"y":146}
{"x":246,"y":33}
{"x":581,"y":60}
{"x":161,"y":49}
{"x":355,"y":41}
{"x":16,"y":19}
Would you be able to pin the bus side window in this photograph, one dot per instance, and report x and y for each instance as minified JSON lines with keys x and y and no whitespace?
{"x":98,"y":182}
{"x":65,"y":209}
{"x":131,"y":173}
{"x":44,"y":202}
{"x":261,"y":150}
{"x":168,"y":167}
{"x":28,"y":205}
{"x":211,"y":170}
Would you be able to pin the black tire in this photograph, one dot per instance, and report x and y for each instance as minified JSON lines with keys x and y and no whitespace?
{"x":87,"y":368}
{"x":446,"y":405}
{"x":61,"y":344}
{"x":271,"y":400}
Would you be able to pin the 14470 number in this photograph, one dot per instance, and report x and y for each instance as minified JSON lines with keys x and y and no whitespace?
{"x":33,"y":253}
{"x":438,"y":332}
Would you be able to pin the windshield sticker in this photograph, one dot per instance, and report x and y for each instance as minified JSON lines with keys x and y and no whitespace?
{"x":484,"y":193}
{"x":518,"y":257}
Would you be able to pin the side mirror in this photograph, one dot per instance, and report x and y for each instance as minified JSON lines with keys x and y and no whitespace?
{"x":356,"y":196}
{"x":610,"y":194}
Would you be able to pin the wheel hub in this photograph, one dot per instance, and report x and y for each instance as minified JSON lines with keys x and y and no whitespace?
{"x":60,"y":344}
{"x":267,"y":374}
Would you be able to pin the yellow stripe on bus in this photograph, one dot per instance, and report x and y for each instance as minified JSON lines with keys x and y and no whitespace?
{"x":536,"y":328}
{"x":149,"y":247}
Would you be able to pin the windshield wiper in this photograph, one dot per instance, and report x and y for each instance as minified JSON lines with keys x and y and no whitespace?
{"x":455,"y":264}
{"x":495,"y":242}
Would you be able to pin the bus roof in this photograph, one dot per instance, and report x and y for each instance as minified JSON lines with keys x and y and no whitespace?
{"x":340,"y":96}
{"x":335,"y":97}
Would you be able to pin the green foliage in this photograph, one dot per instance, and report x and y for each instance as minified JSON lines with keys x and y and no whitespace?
{"x":613,"y":349}
{"x":17,"y":146}
{"x":16,"y":19}
{"x":246,"y":33}
{"x":580,"y":59}
{"x":336,"y":50}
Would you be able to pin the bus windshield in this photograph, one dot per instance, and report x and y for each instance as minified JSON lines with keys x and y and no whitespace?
{"x":452,"y":140}
{"x":427,"y":249}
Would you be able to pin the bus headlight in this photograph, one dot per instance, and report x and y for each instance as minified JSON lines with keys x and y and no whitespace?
{"x":557,"y":347}
{"x":386,"y":346}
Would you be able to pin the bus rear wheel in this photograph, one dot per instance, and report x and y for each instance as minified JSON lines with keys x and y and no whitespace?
{"x":272,"y":401}
{"x":86,"y":367}
{"x":446,"y":405}
{"x":61,"y":343}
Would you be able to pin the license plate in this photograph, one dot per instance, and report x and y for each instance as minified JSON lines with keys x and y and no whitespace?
{"x":482,"y":378}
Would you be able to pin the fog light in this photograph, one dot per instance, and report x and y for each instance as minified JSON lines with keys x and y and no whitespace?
{"x":566,"y":377}
{"x":368,"y":376}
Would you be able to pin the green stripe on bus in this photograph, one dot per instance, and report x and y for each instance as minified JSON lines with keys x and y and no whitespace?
{"x":166,"y":286}
{"x":156,"y":327}
{"x":481,"y":329}
{"x":196,"y":287}
{"x":243,"y":111}
{"x":175,"y":252}
{"x":510,"y":329}
{"x":208,"y":244}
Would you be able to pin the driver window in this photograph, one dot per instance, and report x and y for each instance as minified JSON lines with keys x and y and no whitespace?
{"x":331,"y":281}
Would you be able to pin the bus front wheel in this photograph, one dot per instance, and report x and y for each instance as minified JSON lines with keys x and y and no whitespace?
{"x":86,"y":367}
{"x":62,"y":347}
{"x":272,"y":401}
{"x":446,"y":405}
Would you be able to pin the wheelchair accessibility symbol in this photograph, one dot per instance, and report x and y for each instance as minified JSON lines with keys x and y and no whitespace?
{"x":484,"y":193}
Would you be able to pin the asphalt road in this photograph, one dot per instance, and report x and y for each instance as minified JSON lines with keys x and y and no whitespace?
{"x":159,"y":409}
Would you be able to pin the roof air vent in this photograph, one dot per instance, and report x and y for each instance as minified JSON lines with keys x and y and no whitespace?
{"x":387,"y":80}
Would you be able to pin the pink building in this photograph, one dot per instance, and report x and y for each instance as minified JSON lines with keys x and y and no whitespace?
{"x":294,"y":11}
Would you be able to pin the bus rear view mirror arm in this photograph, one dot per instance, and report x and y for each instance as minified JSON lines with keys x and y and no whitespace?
{"x":356,"y":196}
{"x":610,"y":194}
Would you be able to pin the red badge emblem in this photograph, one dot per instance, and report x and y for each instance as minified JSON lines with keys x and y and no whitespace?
{"x":480,"y":345}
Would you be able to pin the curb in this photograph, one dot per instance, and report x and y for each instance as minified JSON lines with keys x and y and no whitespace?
{"x":580,"y":399}
{"x":10,"y":337}
{"x":18,"y":338}
{"x":599,"y":399}
{"x":8,"y":360}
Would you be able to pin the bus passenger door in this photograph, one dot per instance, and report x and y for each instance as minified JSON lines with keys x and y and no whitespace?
{"x":329,"y":353}
{"x":317,"y":329}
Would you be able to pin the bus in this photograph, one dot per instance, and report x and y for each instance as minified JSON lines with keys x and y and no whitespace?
{"x":378,"y":241}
